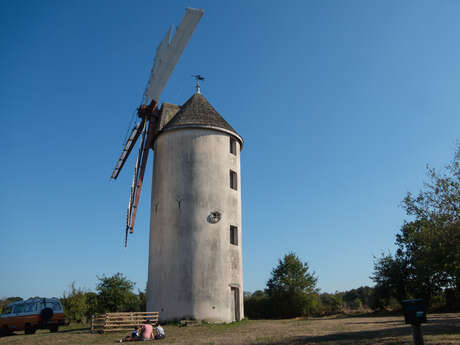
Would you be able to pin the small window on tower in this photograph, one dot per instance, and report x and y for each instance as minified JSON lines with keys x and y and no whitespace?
{"x":233,"y":180}
{"x":233,"y":146}
{"x":233,"y":235}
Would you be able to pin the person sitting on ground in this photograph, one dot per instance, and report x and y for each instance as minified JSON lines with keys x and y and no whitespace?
{"x":135,"y":332}
{"x":133,"y":337}
{"x":159,"y":332}
{"x":147,"y":330}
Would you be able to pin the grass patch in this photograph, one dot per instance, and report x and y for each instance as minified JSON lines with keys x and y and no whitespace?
{"x":441,"y":329}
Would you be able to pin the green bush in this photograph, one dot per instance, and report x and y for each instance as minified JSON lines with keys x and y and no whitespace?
{"x":115,"y":294}
{"x":75,"y":304}
{"x":257,"y":306}
{"x":331,"y":303}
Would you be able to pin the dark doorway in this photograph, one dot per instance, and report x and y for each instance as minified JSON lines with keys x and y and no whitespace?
{"x":235,"y":304}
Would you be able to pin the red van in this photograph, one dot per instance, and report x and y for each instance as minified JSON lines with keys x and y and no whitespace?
{"x":33,"y":314}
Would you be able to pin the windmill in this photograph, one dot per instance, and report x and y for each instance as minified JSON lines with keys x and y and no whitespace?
{"x":167,"y":55}
{"x":195,"y":247}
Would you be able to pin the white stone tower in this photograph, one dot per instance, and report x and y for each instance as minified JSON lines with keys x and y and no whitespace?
{"x":195,"y":263}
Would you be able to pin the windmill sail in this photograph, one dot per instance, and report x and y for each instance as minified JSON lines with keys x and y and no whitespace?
{"x":169,"y":52}
{"x":127,"y":149}
{"x":134,"y":184}
{"x":139,"y":179}
{"x":167,"y":55}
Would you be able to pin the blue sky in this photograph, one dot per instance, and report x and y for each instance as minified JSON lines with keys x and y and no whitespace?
{"x":341,"y":105}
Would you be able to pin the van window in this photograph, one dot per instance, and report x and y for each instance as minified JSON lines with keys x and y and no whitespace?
{"x":29,"y":308}
{"x":6,"y":311}
{"x":42,"y":305}
{"x":54,"y":306}
{"x":18,"y":309}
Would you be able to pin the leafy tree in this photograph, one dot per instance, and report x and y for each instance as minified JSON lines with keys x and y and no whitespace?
{"x":366,"y":295}
{"x":5,"y":301}
{"x":115,"y":294}
{"x":257,"y":305}
{"x":258,"y":294}
{"x":427,"y":260}
{"x":315,"y":304}
{"x":291,"y":287}
{"x":247,"y":294}
{"x":391,"y":280}
{"x":331,"y":303}
{"x":362,"y":297}
{"x":91,"y":303}
{"x":431,"y":242}
{"x":142,"y":300}
{"x":74,"y":303}
{"x":356,"y":304}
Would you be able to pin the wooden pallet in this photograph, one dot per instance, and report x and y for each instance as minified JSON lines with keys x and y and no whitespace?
{"x":118,"y":322}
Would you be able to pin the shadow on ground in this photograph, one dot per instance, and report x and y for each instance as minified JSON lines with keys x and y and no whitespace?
{"x":376,"y":322}
{"x":388,"y":336}
{"x":72,"y":330}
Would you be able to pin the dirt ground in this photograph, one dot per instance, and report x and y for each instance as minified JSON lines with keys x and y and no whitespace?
{"x":375,"y":330}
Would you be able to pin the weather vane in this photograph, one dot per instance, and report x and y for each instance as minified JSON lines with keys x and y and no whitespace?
{"x":198,"y":77}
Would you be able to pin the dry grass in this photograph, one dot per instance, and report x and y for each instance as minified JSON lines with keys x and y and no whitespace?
{"x":388,"y":330}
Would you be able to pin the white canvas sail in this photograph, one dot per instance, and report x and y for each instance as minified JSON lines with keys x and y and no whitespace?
{"x":168,"y":54}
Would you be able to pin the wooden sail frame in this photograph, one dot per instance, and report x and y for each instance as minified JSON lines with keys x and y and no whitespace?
{"x":167,"y":55}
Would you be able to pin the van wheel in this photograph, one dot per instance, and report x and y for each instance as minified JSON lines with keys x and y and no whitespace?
{"x":54,"y":329}
{"x":5,"y":331}
{"x":28,"y":329}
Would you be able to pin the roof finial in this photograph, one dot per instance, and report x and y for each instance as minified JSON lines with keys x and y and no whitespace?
{"x":198,"y":78}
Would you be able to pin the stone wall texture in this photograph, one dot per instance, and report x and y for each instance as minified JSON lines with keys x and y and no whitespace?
{"x":193,"y":268}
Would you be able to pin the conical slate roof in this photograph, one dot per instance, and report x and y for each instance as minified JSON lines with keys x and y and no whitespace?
{"x":198,"y":112}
